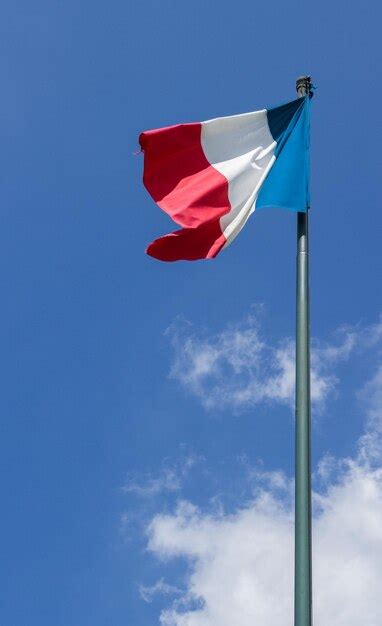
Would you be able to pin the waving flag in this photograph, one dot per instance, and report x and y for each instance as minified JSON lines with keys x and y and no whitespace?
{"x":211,"y":176}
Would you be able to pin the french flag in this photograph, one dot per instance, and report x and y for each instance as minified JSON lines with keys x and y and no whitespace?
{"x":209,"y":177}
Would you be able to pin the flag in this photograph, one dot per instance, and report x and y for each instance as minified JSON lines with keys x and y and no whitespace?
{"x":209,"y":177}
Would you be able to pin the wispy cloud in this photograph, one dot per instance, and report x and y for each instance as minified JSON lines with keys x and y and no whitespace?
{"x":238,"y":368}
{"x":169,"y":479}
{"x":159,"y":588}
{"x":370,"y":444}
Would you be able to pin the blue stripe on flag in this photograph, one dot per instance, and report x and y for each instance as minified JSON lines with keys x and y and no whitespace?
{"x":287,"y":184}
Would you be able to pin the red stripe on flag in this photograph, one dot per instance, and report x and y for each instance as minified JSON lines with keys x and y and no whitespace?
{"x":180,"y":179}
{"x":189,"y":244}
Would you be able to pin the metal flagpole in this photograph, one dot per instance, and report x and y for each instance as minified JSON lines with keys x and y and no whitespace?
{"x":303,"y":514}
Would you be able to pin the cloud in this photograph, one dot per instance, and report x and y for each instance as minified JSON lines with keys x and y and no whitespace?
{"x":238,"y":368}
{"x":159,"y":588}
{"x":240,"y":564}
{"x":169,"y":479}
{"x":370,"y":444}
{"x":149,"y":485}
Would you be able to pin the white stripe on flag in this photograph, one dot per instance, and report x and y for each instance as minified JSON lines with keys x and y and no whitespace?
{"x":240,"y":147}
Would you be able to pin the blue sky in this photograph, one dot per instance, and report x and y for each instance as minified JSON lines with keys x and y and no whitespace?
{"x":107,"y":422}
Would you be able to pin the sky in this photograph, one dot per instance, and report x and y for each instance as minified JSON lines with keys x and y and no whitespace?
{"x":147,"y":408}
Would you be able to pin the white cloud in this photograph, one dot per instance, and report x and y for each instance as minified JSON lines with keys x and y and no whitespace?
{"x":169,"y":479}
{"x":159,"y":588}
{"x":149,"y":485}
{"x":238,"y":368}
{"x":370,"y":444}
{"x":240,"y":565}
{"x":236,"y":563}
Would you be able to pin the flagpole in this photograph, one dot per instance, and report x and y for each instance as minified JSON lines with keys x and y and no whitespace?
{"x":303,"y":509}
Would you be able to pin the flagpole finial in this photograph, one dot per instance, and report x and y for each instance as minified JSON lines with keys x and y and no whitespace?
{"x":304,"y":86}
